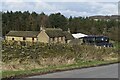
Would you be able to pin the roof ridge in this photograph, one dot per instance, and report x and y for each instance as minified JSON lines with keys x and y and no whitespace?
{"x":53,"y":29}
{"x":23,"y":33}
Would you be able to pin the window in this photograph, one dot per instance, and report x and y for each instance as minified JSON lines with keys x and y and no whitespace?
{"x":24,"y":38}
{"x":33,"y":39}
{"x":53,"y":39}
{"x":12,"y":38}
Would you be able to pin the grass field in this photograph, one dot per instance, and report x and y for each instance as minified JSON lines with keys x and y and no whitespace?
{"x":20,"y":60}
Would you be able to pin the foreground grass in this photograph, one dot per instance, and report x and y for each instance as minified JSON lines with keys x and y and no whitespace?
{"x":23,"y":73}
{"x":22,"y":61}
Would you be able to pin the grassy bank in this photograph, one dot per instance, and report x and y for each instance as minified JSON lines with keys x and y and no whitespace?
{"x":25,"y":73}
{"x":41,"y":58}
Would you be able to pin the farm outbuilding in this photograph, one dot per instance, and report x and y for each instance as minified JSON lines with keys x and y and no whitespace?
{"x":45,"y":35}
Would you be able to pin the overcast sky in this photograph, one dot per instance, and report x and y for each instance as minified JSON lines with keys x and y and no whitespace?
{"x":66,"y":7}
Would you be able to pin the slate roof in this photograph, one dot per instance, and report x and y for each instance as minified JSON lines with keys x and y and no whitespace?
{"x":68,"y":35}
{"x":23,"y":33}
{"x":51,"y":32}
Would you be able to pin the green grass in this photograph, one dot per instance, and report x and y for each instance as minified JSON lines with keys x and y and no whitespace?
{"x":7,"y":74}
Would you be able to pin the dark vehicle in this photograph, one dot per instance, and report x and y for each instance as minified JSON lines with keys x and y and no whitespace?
{"x":105,"y":44}
{"x":97,"y":40}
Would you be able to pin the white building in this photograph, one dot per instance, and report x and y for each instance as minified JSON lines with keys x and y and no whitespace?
{"x":79,"y":35}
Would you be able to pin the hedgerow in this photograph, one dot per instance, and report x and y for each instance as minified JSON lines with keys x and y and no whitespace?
{"x":53,"y":54}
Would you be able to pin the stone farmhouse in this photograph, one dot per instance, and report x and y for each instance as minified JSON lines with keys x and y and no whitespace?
{"x":45,"y":35}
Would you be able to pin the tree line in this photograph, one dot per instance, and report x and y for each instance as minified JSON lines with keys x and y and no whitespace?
{"x":26,"y":21}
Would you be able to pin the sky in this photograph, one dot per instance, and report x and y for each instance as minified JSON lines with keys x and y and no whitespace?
{"x":66,"y":7}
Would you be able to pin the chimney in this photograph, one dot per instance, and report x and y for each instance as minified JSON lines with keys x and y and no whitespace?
{"x":42,"y":28}
{"x":69,"y":30}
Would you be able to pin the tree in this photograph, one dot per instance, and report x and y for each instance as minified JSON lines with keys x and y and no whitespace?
{"x":43,"y":20}
{"x":26,"y":21}
{"x":58,"y":20}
